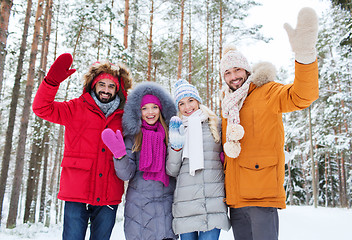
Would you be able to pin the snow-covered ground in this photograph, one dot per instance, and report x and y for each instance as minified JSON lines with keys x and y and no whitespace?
{"x":296,"y":223}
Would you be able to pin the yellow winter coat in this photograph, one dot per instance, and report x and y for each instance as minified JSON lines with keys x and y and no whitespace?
{"x":256,"y":176}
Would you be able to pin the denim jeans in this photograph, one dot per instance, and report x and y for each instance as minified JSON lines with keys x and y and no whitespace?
{"x":255,"y":223}
{"x":208,"y":235}
{"x":77,"y":215}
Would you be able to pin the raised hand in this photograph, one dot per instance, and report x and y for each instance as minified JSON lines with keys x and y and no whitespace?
{"x":114,"y":141}
{"x":303,"y":39}
{"x":60,"y":70}
{"x":176,"y":133}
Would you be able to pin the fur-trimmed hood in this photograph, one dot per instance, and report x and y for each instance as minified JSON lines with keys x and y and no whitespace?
{"x":132,"y":117}
{"x":263,"y":73}
{"x":118,"y":70}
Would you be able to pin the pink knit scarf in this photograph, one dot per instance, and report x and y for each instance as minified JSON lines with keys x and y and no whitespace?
{"x":153,"y":153}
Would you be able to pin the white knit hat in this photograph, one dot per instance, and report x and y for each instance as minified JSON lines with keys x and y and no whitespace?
{"x":185,"y":89}
{"x":231,"y":58}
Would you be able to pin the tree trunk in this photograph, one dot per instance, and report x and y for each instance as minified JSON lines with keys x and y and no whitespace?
{"x":13,"y":107}
{"x":57,"y":26}
{"x":306,"y":183}
{"x":220,"y":47}
{"x":44,"y":177}
{"x":343,"y":182}
{"x":110,"y":30}
{"x":289,"y":187}
{"x":207,"y":56}
{"x":6,"y":6}
{"x":304,"y":175}
{"x":134,"y":29}
{"x":150,"y":42}
{"x":343,"y":167}
{"x":58,"y":158}
{"x":190,"y":45}
{"x":212,"y":68}
{"x":331,"y":177}
{"x":289,"y":184}
{"x":180,"y":51}
{"x":326,"y":180}
{"x":16,"y":186}
{"x":44,"y":57}
{"x":53,"y":178}
{"x":99,"y":41}
{"x":36,"y":176}
{"x":125,"y":29}
{"x":314,"y":183}
{"x":36,"y":156}
{"x":341,"y":172}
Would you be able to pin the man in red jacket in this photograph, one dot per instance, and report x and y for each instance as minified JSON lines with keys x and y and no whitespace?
{"x":88,"y":183}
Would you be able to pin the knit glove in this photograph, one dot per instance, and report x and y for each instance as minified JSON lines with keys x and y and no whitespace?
{"x":176,"y":133}
{"x":303,"y":39}
{"x":60,"y":70}
{"x":114,"y":141}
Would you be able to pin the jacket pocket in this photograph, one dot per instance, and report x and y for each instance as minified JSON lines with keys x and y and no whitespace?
{"x":258,"y":178}
{"x":76,"y":177}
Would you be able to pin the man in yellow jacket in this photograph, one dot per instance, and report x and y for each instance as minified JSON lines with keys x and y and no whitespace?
{"x":253,"y":133}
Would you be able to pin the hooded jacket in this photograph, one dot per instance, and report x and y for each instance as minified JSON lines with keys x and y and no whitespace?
{"x":256,"y":176}
{"x":148,"y":202}
{"x":87,"y":167}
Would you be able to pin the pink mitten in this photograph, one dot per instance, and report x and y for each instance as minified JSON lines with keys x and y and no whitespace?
{"x":114,"y":141}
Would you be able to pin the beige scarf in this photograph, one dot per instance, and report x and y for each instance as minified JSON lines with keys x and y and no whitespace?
{"x":232,"y":103}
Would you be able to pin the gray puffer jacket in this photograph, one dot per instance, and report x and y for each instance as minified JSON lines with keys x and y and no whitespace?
{"x":199,"y":200}
{"x":148,"y":204}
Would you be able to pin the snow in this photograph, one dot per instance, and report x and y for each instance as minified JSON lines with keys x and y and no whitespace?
{"x":296,"y":223}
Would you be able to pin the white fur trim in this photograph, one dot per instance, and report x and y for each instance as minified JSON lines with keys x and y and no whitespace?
{"x":263,"y":73}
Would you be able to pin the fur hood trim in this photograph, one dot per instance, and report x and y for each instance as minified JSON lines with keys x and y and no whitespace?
{"x":118,"y":70}
{"x":263,"y":73}
{"x":132,"y":117}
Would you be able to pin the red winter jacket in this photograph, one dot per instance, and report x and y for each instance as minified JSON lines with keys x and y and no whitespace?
{"x":88,"y":174}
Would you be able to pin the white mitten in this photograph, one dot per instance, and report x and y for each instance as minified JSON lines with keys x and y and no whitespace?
{"x":303,"y":39}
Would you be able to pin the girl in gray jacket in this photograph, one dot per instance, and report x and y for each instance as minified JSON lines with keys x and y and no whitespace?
{"x":140,"y":159}
{"x":198,"y":209}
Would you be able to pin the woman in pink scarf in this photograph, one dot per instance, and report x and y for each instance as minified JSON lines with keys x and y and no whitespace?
{"x":139,"y":157}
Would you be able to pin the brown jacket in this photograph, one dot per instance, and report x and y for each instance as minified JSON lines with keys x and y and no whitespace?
{"x":256,"y":176}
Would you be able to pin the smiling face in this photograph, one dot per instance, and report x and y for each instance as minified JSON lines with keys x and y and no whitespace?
{"x":235,"y":77}
{"x":150,"y":113}
{"x":187,"y":106}
{"x":105,"y":90}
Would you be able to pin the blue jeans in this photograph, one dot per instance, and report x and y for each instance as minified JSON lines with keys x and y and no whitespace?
{"x":255,"y":223}
{"x":77,"y":215}
{"x":208,"y":235}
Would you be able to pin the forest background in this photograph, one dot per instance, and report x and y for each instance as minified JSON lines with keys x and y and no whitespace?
{"x":160,"y":41}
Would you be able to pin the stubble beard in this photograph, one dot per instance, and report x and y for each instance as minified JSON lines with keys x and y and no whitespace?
{"x":105,"y":100}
